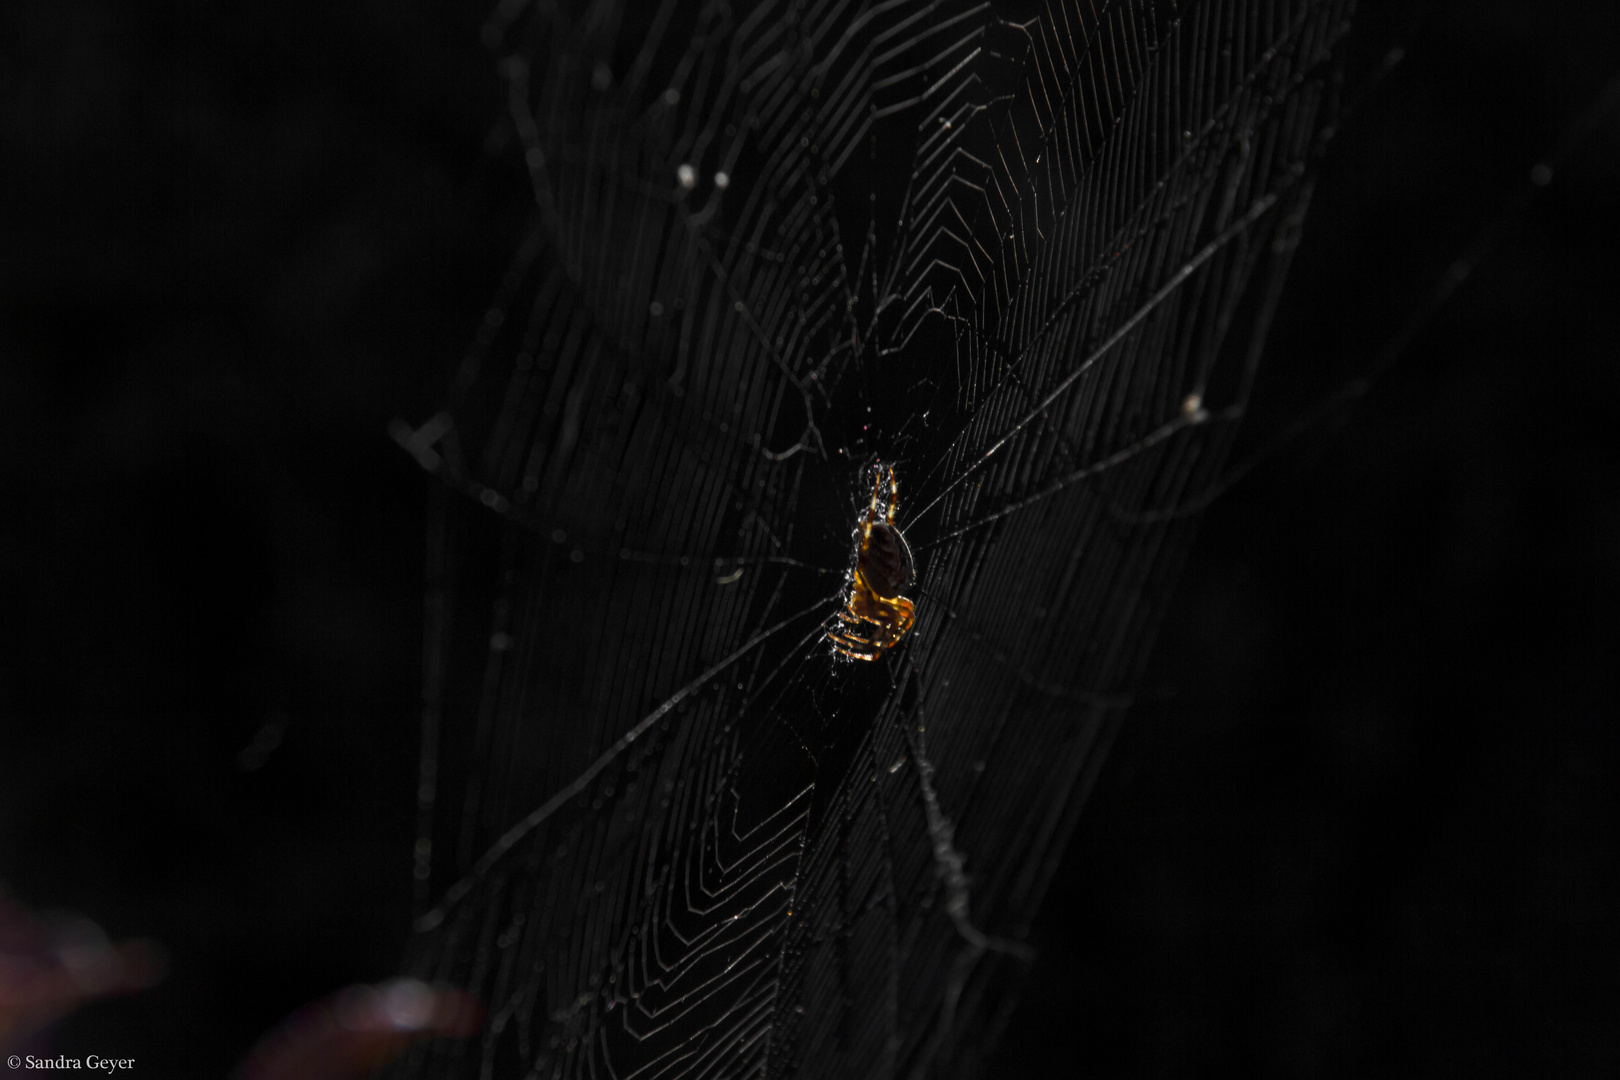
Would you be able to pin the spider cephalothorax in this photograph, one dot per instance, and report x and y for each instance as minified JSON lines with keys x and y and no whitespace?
{"x":875,"y":616}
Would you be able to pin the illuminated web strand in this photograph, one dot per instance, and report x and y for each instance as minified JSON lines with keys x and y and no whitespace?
{"x":1254,"y":214}
{"x":950,"y":866}
{"x":1119,"y":457}
{"x":1266,"y":58}
{"x":1345,"y":397}
{"x":418,"y":442}
{"x":517,"y":832}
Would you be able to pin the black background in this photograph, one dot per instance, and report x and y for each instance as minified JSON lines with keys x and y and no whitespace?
{"x":1362,"y":825}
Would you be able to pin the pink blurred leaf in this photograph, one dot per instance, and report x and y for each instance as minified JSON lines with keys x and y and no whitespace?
{"x":357,"y":1029}
{"x":49,"y":966}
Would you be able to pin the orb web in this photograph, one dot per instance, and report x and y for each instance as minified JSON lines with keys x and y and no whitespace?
{"x":1026,"y":254}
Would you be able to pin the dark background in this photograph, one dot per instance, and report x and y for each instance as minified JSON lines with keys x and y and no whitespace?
{"x":1363,"y":825}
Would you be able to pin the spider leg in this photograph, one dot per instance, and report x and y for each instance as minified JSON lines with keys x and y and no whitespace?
{"x":849,"y":649}
{"x":844,"y":634}
{"x":894,"y":496}
{"x":853,"y":637}
{"x":848,"y":641}
{"x":885,"y":621}
{"x":877,"y":487}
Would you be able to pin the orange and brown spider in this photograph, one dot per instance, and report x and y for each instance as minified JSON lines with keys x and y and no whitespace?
{"x":875,"y":616}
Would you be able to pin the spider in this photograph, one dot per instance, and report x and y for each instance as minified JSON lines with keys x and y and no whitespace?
{"x":875,"y":616}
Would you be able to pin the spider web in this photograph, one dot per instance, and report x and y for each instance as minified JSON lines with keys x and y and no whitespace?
{"x":1024,"y":253}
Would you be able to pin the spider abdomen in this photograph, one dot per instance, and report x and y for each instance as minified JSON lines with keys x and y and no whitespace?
{"x":886,"y":560}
